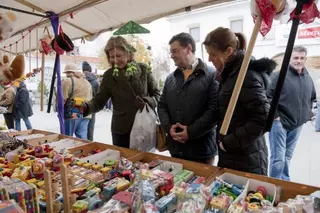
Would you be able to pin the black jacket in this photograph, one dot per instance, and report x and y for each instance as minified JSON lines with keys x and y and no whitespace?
{"x":245,"y":144}
{"x":22,"y":107}
{"x":192,"y":103}
{"x":93,"y":81}
{"x":297,"y":95}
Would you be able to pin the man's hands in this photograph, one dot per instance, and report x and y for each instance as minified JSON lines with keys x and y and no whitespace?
{"x":179,"y":133}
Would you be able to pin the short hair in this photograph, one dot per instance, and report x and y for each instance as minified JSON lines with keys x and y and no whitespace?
{"x":184,"y":40}
{"x":300,"y":49}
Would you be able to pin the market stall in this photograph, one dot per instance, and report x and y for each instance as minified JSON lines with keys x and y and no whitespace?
{"x":97,"y":177}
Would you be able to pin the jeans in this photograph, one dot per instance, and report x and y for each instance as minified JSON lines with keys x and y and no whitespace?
{"x":318,"y":117}
{"x":91,"y":127}
{"x":282,"y":145}
{"x":79,"y":127}
{"x":122,"y":140}
{"x":26,"y":122}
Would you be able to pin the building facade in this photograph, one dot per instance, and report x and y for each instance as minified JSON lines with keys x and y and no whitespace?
{"x":236,"y":16}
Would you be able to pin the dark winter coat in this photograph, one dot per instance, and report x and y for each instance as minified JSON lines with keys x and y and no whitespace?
{"x":22,"y":107}
{"x":117,"y":88}
{"x":297,"y":95}
{"x":93,"y":80}
{"x":194,"y":104}
{"x":244,"y":143}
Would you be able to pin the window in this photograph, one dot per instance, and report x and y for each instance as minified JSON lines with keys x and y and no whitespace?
{"x":195,"y":33}
{"x":236,"y":26}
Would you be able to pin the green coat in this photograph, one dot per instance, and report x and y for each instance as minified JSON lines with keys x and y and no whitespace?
{"x":122,"y":96}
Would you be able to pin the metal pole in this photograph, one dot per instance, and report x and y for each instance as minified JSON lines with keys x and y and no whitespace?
{"x":22,"y":11}
{"x":53,"y":81}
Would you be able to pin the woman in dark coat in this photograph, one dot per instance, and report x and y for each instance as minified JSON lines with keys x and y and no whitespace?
{"x":129,"y":84}
{"x":22,"y":107}
{"x":244,"y":147}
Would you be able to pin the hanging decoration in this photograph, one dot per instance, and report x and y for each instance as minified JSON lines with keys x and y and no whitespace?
{"x":10,"y":72}
{"x":7,"y":20}
{"x":131,"y":28}
{"x":45,"y":42}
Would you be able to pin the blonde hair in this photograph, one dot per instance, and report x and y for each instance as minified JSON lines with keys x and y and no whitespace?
{"x":120,"y":43}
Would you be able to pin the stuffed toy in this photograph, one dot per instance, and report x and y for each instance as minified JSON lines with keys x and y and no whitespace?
{"x":9,"y":73}
{"x":6,"y":24}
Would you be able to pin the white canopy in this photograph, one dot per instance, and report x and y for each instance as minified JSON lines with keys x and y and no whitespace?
{"x":88,"y":18}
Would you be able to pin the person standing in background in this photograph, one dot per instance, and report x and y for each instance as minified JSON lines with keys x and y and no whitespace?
{"x":7,"y":100}
{"x":76,"y":86}
{"x":22,"y":108}
{"x":93,"y":80}
{"x":294,"y":109}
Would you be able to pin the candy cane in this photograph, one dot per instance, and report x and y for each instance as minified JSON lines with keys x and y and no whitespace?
{"x":260,"y":19}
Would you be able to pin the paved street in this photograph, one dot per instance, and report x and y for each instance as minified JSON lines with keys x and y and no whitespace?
{"x":305,"y":166}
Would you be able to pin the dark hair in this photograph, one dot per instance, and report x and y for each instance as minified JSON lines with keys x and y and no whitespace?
{"x":184,"y":40}
{"x":118,"y":43}
{"x":223,"y":38}
{"x":300,"y":49}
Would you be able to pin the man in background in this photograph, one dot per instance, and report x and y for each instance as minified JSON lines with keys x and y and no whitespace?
{"x":93,"y":80}
{"x":294,"y":109}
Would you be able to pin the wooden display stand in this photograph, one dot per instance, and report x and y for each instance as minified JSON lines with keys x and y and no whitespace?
{"x":52,"y":138}
{"x":86,"y":149}
{"x":198,"y":168}
{"x":29,"y":132}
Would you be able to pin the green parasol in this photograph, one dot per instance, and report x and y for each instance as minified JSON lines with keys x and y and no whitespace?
{"x":131,"y":28}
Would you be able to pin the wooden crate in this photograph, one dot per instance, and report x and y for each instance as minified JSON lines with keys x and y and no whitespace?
{"x":87,"y":148}
{"x":53,"y":138}
{"x":288,"y":189}
{"x":199,"y":169}
{"x":29,"y":132}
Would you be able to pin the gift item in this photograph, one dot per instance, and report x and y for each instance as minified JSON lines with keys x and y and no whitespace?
{"x":194,"y":198}
{"x":10,"y":72}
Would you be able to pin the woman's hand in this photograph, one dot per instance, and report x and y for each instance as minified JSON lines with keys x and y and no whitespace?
{"x":139,"y":103}
{"x":220,"y":140}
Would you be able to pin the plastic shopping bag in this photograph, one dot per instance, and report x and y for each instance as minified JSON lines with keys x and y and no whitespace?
{"x":143,"y":133}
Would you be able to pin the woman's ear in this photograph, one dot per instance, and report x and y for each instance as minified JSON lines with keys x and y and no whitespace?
{"x":229,"y":51}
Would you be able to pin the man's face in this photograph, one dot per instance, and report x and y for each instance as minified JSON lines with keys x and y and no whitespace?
{"x":298,"y":60}
{"x":180,"y":54}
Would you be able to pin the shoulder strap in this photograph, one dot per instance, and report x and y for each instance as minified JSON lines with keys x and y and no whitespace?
{"x":71,"y":96}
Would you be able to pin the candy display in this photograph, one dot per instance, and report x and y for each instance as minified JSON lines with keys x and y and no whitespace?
{"x":103,"y":181}
{"x":9,"y":144}
{"x":24,"y":194}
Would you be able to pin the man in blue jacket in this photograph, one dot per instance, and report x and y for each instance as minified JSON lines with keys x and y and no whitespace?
{"x":93,"y":80}
{"x":293,"y":111}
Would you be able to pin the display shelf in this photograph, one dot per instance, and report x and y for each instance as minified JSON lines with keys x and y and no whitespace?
{"x":29,"y":132}
{"x":198,"y":168}
{"x":285,"y":189}
{"x":88,"y":148}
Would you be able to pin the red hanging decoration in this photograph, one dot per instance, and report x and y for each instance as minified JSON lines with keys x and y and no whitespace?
{"x":268,"y":12}
{"x":309,"y":13}
{"x":71,"y":15}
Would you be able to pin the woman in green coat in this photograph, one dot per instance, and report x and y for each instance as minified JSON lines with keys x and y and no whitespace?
{"x":129,"y":84}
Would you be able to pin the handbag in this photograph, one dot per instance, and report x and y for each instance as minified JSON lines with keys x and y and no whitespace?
{"x":161,"y":139}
